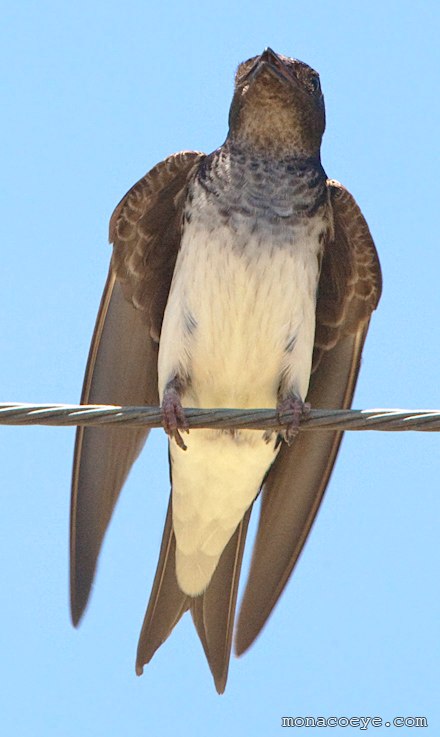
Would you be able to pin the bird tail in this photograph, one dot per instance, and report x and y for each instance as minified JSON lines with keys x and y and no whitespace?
{"x":213,"y":611}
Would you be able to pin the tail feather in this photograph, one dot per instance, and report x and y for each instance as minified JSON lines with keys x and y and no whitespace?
{"x":167,"y":602}
{"x":213,"y":611}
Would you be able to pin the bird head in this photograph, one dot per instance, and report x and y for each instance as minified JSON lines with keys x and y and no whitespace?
{"x":277,"y":106}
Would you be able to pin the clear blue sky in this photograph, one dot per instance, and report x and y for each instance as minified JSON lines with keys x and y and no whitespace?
{"x":96,"y":93}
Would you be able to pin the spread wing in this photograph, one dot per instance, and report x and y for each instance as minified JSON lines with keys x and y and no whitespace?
{"x":122,"y":365}
{"x":349,"y":290}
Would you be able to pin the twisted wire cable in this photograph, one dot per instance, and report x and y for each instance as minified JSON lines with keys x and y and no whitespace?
{"x":252,"y":419}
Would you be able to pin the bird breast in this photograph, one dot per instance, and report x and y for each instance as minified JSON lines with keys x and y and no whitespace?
{"x":240,"y":318}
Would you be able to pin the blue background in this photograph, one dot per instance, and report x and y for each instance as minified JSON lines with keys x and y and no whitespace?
{"x":97,"y":93}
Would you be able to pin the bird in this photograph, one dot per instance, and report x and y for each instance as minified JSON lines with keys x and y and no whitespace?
{"x":244,"y":278}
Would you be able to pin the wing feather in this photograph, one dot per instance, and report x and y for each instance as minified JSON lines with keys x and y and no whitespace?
{"x":122,"y":365}
{"x":349,"y":290}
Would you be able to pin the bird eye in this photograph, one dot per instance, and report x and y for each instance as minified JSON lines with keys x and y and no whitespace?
{"x":315,"y":83}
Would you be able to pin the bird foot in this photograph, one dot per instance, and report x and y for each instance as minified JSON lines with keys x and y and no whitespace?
{"x":297,"y":410}
{"x":173,"y":415}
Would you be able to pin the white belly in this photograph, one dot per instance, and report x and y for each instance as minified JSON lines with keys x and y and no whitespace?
{"x":239,"y":324}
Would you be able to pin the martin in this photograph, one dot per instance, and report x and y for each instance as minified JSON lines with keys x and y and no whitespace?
{"x":244,"y":278}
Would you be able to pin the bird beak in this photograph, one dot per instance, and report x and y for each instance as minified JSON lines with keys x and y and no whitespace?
{"x":270,"y":56}
{"x":271,"y":62}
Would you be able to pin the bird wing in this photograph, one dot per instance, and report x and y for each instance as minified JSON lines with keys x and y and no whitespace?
{"x":349,"y":290}
{"x":122,"y":366}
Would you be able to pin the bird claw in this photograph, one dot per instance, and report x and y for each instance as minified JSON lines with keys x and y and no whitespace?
{"x":173,"y":416}
{"x":268,"y":436}
{"x":292,"y":405}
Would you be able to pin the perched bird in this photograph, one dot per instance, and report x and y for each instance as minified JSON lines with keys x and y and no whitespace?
{"x":243,"y":278}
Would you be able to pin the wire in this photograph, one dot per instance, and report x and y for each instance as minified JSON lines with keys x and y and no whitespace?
{"x":254,"y":419}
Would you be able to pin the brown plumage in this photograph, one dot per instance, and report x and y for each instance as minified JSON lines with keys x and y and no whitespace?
{"x":146,"y":231}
